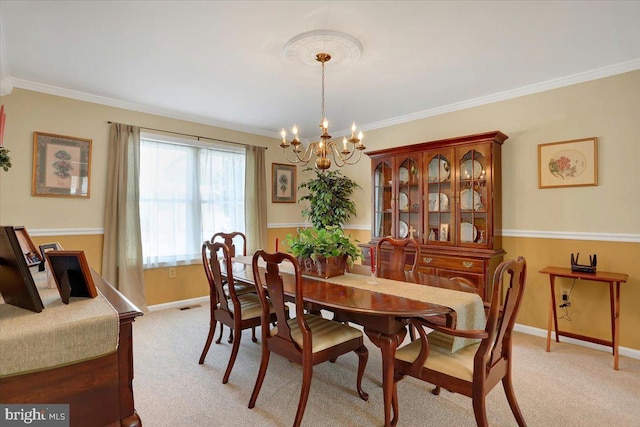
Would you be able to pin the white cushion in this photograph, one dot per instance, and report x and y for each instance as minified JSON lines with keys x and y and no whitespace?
{"x":458,"y":364}
{"x":325,"y":333}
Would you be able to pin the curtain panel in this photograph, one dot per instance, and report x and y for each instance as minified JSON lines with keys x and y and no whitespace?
{"x":122,"y":246}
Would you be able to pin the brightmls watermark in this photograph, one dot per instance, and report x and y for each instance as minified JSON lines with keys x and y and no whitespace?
{"x":52,"y":415}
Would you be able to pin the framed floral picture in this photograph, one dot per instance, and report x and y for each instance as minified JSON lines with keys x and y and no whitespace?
{"x":283,"y":183}
{"x":571,"y":163}
{"x":61,"y":166}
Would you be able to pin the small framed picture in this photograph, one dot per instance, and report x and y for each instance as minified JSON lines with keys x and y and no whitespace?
{"x":72,"y":274}
{"x":61,"y":166}
{"x":55,"y":246}
{"x":571,"y":163}
{"x":283,"y":183}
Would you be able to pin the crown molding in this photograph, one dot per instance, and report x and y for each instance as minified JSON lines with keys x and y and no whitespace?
{"x":598,"y":73}
{"x":111,"y":102}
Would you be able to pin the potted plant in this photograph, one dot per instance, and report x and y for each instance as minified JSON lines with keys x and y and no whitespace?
{"x":323,"y":252}
{"x":328,"y":194}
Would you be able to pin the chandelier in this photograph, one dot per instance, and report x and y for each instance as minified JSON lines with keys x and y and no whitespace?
{"x":342,"y":153}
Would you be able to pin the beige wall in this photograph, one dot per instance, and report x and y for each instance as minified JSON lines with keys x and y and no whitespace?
{"x":602,"y":219}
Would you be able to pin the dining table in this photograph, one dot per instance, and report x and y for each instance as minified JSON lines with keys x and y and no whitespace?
{"x":382,"y":306}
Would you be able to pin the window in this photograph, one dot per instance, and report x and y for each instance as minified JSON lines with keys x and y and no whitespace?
{"x":187,"y":193}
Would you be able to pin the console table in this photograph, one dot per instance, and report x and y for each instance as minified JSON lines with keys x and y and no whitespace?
{"x":614,"y":280}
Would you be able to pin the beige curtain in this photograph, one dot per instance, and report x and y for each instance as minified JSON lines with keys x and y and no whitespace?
{"x":122,"y":247}
{"x":255,"y":200}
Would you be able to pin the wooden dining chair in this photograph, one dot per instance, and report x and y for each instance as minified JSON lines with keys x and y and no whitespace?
{"x":237,"y":244}
{"x":238,"y":312}
{"x":232,"y":240}
{"x":398,"y":261}
{"x":476,"y":369}
{"x":307,"y":339}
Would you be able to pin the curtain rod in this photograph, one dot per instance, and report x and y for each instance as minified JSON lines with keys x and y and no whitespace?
{"x":188,"y":134}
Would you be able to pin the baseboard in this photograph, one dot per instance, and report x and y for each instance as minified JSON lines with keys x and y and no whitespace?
{"x":179,"y":304}
{"x":530,"y":330}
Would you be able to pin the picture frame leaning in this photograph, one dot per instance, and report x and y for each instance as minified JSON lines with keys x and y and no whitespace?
{"x":72,"y":274}
{"x":61,"y":166}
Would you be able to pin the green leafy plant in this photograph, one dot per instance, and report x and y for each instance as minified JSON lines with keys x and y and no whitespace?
{"x":325,"y":242}
{"x":5,"y":160}
{"x":328,"y":194}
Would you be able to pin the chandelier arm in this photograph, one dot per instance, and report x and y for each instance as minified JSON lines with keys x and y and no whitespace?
{"x":338,"y":158}
{"x":297,"y":159}
{"x":346,"y":160}
{"x":303,"y":159}
{"x":338,"y":152}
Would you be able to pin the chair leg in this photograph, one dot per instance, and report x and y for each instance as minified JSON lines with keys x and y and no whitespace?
{"x":232,"y":358}
{"x":480,"y":410}
{"x":230,"y":340}
{"x":264,"y":362}
{"x":220,"y":336}
{"x":511,"y":398}
{"x":394,"y":404}
{"x":253,"y":334}
{"x":363,"y":356}
{"x":205,"y":350}
{"x":436,"y":390}
{"x":307,"y":374}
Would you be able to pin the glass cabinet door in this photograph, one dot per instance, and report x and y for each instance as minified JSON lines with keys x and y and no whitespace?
{"x":474,"y":196}
{"x":382,"y":199}
{"x":439,"y":199}
{"x":409,"y":198}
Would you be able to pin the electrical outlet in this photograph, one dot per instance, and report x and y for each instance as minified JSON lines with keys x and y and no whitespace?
{"x":565,"y":296}
{"x":172,"y":272}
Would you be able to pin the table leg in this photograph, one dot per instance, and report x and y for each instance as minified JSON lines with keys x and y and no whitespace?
{"x":616,"y":327}
{"x":612,"y":302}
{"x":553,"y":317}
{"x":388,"y":345}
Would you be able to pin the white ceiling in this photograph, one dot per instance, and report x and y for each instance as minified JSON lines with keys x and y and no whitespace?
{"x":222,"y":62}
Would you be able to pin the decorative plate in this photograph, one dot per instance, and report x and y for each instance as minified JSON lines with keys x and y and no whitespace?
{"x":470,"y":199}
{"x":404,"y":230}
{"x":470,"y":169}
{"x":438,"y":203}
{"x":438,"y":170}
{"x":468,"y":232}
{"x":403,"y":175}
{"x":403,"y":200}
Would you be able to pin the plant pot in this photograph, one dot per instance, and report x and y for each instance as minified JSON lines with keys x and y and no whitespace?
{"x":324,"y":267}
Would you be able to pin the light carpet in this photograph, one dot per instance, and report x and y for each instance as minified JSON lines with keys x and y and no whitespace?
{"x":570,"y":386}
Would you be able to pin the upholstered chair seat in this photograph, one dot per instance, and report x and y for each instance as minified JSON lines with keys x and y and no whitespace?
{"x":325,"y":333}
{"x":458,"y":364}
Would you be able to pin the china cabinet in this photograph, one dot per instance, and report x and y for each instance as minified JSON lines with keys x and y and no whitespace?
{"x":446,"y":194}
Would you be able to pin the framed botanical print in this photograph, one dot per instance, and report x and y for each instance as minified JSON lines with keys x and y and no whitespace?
{"x":61,"y":166}
{"x":571,"y":163}
{"x":283,"y":183}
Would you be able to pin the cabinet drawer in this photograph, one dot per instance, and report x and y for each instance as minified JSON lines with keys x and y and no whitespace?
{"x":452,"y":263}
